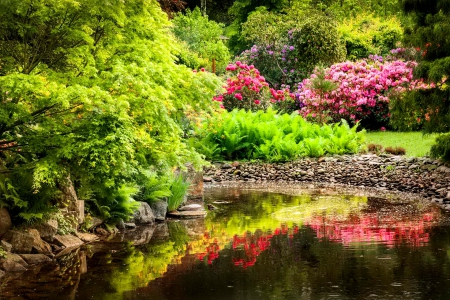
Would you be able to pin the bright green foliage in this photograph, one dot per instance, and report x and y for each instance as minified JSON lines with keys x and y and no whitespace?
{"x":178,"y":190}
{"x":442,"y":147}
{"x":273,"y":137}
{"x":202,"y":36}
{"x":91,"y":90}
{"x":3,"y":253}
{"x":367,"y":34}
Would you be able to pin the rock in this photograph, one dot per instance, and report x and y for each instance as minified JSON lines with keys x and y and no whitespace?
{"x":26,"y":242}
{"x":6,"y":246}
{"x":2,"y":273}
{"x":5,"y":221}
{"x":120,"y":225}
{"x":130,"y":225}
{"x":13,"y":263}
{"x":159,"y":210}
{"x":191,"y":207}
{"x":443,"y":169}
{"x":139,"y":236}
{"x":144,"y":214}
{"x":207,"y":179}
{"x":195,"y":179}
{"x":101,"y":231}
{"x":95,"y":222}
{"x":35,"y":259}
{"x":67,"y":240}
{"x":188,"y":214}
{"x":47,"y":230}
{"x":87,"y":237}
{"x":226,"y":166}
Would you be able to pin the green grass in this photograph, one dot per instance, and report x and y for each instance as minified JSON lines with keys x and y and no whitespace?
{"x":415,"y":143}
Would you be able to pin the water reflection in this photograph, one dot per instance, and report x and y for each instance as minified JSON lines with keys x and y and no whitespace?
{"x":271,"y":246}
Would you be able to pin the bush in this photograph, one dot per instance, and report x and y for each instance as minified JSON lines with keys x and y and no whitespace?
{"x":441,"y":149}
{"x":362,"y":91}
{"x":395,"y":150}
{"x":375,"y":148}
{"x":294,"y":54}
{"x":268,"y":136}
{"x":178,"y":190}
{"x":367,"y":34}
{"x":245,"y":88}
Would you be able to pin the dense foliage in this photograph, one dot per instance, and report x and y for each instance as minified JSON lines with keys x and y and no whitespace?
{"x":90,"y":94}
{"x":361,"y":91}
{"x":269,"y":136}
{"x":203,"y":38}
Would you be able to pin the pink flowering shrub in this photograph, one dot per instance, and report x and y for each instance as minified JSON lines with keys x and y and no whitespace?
{"x":362,"y":91}
{"x":245,"y":88}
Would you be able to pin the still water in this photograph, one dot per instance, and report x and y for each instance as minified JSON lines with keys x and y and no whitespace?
{"x":260,"y":245}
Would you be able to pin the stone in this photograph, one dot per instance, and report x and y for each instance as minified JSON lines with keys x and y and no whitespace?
{"x":2,"y":273}
{"x":5,"y":221}
{"x":159,"y":209}
{"x":101,"y":231}
{"x":13,"y":263}
{"x":87,"y":237}
{"x":6,"y":246}
{"x":187,"y":214}
{"x":207,"y":179}
{"x":95,"y":222}
{"x":80,"y":210}
{"x":35,"y":259}
{"x":191,"y":207}
{"x":25,"y":242}
{"x":47,"y":230}
{"x":226,"y":166}
{"x":144,"y":214}
{"x":443,"y":169}
{"x":139,"y":236}
{"x":67,"y":240}
{"x":195,"y":180}
{"x":130,"y":225}
{"x":120,"y":225}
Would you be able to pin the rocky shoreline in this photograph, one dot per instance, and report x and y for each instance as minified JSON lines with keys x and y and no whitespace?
{"x":424,"y":178}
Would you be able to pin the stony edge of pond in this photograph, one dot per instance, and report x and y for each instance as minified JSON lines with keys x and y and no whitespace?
{"x":385,"y":176}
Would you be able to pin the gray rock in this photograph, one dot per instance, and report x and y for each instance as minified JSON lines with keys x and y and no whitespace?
{"x":443,"y":169}
{"x":95,"y":222}
{"x":25,"y":242}
{"x":121,"y":225}
{"x":87,"y":237}
{"x":187,"y":214}
{"x":67,"y":241}
{"x":13,"y":263}
{"x":139,"y":236}
{"x":130,"y":225}
{"x":35,"y":259}
{"x":47,"y":230}
{"x":5,"y":221}
{"x":6,"y":246}
{"x":159,"y":210}
{"x":191,"y":207}
{"x":144,"y":214}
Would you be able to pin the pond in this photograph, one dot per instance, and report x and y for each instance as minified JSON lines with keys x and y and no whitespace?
{"x":264,"y":245}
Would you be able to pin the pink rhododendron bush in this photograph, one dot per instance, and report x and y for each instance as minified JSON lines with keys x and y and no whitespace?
{"x":356,"y":91}
{"x":245,"y":88}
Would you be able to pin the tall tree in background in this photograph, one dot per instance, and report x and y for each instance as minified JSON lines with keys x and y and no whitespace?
{"x":430,"y":34}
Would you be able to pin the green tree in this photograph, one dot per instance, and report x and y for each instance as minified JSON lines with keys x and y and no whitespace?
{"x":430,"y":34}
{"x":91,"y":94}
{"x":203,"y":37}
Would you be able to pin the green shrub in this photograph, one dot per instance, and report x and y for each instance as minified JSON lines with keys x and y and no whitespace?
{"x":178,"y":189}
{"x":367,"y":34}
{"x":2,"y":252}
{"x":441,"y":149}
{"x":272,"y":137}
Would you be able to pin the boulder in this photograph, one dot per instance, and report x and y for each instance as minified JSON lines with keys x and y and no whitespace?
{"x":5,"y":221}
{"x":13,"y":263}
{"x":191,"y":207}
{"x":35,"y":259}
{"x":26,"y":242}
{"x":68,"y":241}
{"x":144,"y":214}
{"x":87,"y":237}
{"x":6,"y":246}
{"x":47,"y":230}
{"x":159,"y":210}
{"x":95,"y":222}
{"x":139,"y":236}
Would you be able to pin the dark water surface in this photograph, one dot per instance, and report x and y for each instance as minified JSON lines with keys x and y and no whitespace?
{"x":260,"y":245}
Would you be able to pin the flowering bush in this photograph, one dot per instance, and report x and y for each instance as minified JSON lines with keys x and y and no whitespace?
{"x":245,"y":88}
{"x":362,"y":92}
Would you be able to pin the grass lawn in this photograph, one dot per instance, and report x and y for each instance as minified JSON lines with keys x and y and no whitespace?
{"x":415,"y":143}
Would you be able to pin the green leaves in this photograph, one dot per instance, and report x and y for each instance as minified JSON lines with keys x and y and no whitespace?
{"x":272,"y":137}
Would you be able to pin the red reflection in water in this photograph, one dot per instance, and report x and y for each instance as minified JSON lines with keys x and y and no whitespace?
{"x":366,"y":228}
